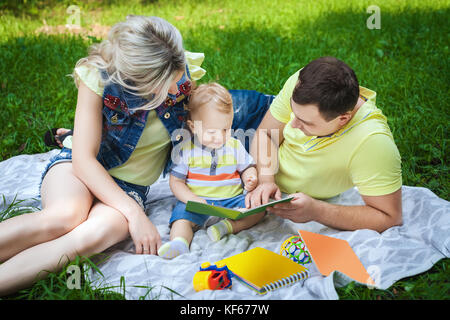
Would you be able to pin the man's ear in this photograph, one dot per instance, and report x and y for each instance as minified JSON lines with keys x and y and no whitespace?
{"x":345,"y":118}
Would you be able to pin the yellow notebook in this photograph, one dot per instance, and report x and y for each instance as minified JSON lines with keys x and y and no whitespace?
{"x":263,"y":270}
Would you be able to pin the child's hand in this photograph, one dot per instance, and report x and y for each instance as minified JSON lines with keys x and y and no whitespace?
{"x":196,"y":199}
{"x":201,"y":200}
{"x":250,"y":182}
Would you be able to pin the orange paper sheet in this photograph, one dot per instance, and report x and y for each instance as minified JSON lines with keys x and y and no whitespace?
{"x":330,"y":254}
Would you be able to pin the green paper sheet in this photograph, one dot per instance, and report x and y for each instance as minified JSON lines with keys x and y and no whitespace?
{"x":234,"y":214}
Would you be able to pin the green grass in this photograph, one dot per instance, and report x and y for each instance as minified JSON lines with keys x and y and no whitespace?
{"x":255,"y":45}
{"x":431,"y":285}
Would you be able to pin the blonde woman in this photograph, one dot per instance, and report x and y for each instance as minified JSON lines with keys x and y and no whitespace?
{"x":131,"y":91}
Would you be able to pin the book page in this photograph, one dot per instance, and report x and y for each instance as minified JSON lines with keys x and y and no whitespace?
{"x":269,"y":204}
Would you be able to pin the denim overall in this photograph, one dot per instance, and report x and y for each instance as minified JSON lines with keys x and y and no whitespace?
{"x":123,"y":125}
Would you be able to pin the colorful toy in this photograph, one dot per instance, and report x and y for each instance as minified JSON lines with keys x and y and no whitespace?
{"x":212,"y":277}
{"x":294,"y":249}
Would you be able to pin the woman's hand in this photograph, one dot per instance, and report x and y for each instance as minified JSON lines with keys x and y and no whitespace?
{"x":146,"y":237}
{"x":261,"y":194}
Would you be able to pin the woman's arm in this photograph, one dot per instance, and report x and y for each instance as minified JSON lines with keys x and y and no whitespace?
{"x":86,"y":143}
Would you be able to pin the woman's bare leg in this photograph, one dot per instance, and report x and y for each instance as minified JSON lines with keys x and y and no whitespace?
{"x":104,"y":227}
{"x":65,"y":201}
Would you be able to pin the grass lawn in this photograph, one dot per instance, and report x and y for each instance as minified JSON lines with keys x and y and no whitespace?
{"x":249,"y":45}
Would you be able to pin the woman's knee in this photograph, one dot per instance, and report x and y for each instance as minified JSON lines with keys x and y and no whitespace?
{"x":65,"y":198}
{"x":101,"y":232}
{"x":58,"y":220}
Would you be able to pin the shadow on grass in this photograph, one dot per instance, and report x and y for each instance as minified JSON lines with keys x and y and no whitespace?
{"x":31,"y":8}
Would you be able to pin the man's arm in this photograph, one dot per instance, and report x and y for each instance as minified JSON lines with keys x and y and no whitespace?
{"x":264,"y":150}
{"x":264,"y":147}
{"x":379,"y":213}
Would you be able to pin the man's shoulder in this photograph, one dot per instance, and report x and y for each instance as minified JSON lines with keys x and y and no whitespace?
{"x":292,"y":81}
{"x":281,"y":107}
{"x":370,"y":120}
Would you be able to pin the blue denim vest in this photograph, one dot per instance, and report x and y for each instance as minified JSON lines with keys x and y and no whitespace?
{"x":123,"y":125}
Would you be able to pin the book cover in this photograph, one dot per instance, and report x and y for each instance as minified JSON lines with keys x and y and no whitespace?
{"x":230,"y":213}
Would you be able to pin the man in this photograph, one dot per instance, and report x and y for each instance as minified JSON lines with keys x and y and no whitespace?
{"x":322,"y":135}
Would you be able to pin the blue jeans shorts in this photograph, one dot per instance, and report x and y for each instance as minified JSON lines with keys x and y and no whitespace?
{"x":137,"y":192}
{"x":180,"y":212}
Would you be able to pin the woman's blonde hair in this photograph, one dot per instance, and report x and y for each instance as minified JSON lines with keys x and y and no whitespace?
{"x":213,"y":93}
{"x":142,"y":54}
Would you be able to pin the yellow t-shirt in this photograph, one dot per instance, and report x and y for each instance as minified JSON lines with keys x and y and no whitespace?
{"x":362,"y":153}
{"x":148,"y":159}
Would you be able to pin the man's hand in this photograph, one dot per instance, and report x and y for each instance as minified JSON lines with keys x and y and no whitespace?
{"x":299,"y":210}
{"x":261,"y":194}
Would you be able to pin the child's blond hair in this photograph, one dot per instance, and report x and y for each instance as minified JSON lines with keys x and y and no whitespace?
{"x":213,"y":94}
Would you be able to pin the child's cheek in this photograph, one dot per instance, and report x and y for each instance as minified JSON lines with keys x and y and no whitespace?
{"x":227,"y":136}
{"x":206,"y":138}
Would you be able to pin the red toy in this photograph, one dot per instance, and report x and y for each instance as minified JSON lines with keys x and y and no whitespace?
{"x":212,"y":277}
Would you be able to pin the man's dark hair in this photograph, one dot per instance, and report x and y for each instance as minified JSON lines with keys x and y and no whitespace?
{"x":328,"y":83}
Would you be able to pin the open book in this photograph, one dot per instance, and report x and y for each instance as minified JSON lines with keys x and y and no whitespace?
{"x":235,"y":213}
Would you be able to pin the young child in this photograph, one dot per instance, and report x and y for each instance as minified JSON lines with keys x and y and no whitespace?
{"x":211,"y":168}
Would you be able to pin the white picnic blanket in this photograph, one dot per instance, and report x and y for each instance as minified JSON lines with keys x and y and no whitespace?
{"x":399,"y":252}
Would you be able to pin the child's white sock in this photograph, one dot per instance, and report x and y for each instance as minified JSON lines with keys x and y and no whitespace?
{"x":219,"y":230}
{"x":174,"y":248}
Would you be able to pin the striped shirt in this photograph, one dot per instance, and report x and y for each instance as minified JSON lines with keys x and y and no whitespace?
{"x":212,"y":173}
